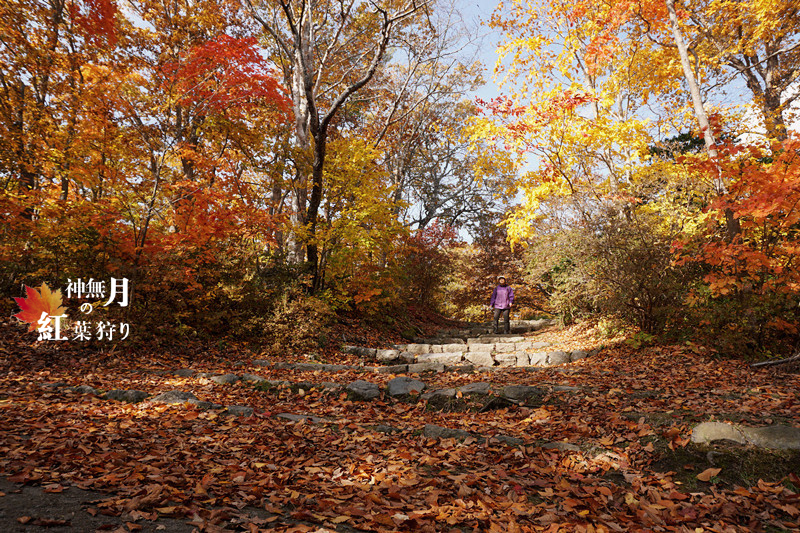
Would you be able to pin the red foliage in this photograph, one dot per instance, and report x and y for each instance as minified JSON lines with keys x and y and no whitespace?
{"x":226,"y":73}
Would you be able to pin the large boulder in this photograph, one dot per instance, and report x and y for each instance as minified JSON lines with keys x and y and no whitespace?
{"x":403,"y":385}
{"x":363,"y":390}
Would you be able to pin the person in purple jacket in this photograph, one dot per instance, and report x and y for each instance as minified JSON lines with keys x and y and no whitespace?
{"x":502,"y":301}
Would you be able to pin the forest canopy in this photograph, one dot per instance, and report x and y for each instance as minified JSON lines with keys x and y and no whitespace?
{"x":245,"y":163}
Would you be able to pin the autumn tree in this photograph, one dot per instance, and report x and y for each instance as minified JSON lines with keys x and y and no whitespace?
{"x":328,"y":51}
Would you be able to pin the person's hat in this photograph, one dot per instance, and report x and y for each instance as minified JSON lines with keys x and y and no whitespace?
{"x":500,"y":277}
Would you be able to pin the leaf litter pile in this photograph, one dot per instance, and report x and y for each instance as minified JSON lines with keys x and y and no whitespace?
{"x":368,"y":466}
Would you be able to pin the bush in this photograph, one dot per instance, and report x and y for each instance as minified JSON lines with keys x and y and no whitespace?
{"x":619,"y":264}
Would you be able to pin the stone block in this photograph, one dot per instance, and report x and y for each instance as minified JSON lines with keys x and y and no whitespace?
{"x":387,"y":355}
{"x":454,"y":347}
{"x":557,"y":358}
{"x":523,"y":359}
{"x":488,"y":348}
{"x":505,"y":347}
{"x":506,"y":359}
{"x":480,"y":358}
{"x":437,"y":348}
{"x":537,"y":358}
{"x":418,"y":348}
{"x":417,"y":368}
{"x":393,"y":369}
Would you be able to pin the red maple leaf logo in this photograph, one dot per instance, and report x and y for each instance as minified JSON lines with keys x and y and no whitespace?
{"x":42,"y":301}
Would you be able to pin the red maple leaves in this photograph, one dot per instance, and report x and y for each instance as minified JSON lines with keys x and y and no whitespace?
{"x":37,"y":302}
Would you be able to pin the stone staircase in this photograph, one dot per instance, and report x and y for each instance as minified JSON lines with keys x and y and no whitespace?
{"x":473,"y":347}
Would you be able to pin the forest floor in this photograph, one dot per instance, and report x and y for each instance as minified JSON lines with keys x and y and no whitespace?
{"x":72,"y":461}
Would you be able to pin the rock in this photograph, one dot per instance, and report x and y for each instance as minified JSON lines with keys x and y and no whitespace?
{"x":418,"y":348}
{"x":511,"y":441}
{"x":85,"y":389}
{"x":523,"y":359}
{"x":521,"y":346}
{"x":418,"y":368}
{"x":184,"y":373}
{"x":174,"y":396}
{"x":205,"y":406}
{"x":520,"y":393}
{"x":562,"y":446}
{"x":360,"y":351}
{"x":437,"y":432}
{"x":539,"y":345}
{"x":577,"y":355}
{"x":400,"y":386}
{"x":130,"y":396}
{"x":387,"y":355}
{"x":444,"y":358}
{"x":238,"y":410}
{"x":330,"y":385}
{"x":557,"y":358}
{"x":480,"y":358}
{"x":296,"y":418}
{"x":394,"y":369}
{"x":363,"y":390}
{"x":713,"y":431}
{"x":261,"y":362}
{"x":225,"y":379}
{"x":774,"y":437}
{"x":475,"y":388}
{"x":493,"y":339}
{"x":506,"y":359}
{"x":505,"y":347}
{"x":252,"y":378}
{"x":408,"y":357}
{"x":439,"y":393}
{"x":537,"y":358}
{"x":481,"y":348}
{"x":436,"y":348}
{"x":57,"y":385}
{"x":382,"y":428}
{"x":461,"y":369}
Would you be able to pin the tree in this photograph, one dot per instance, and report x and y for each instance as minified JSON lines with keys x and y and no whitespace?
{"x":328,"y":50}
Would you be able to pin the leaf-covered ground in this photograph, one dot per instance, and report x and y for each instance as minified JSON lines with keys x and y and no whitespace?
{"x":630,"y":411}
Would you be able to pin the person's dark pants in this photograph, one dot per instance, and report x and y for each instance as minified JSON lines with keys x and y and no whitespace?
{"x":506,"y":319}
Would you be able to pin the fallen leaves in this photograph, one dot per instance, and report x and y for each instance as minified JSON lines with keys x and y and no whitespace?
{"x":178,"y":461}
{"x":708,"y":473}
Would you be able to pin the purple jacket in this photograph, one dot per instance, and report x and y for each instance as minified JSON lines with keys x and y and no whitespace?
{"x":502,"y":297}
